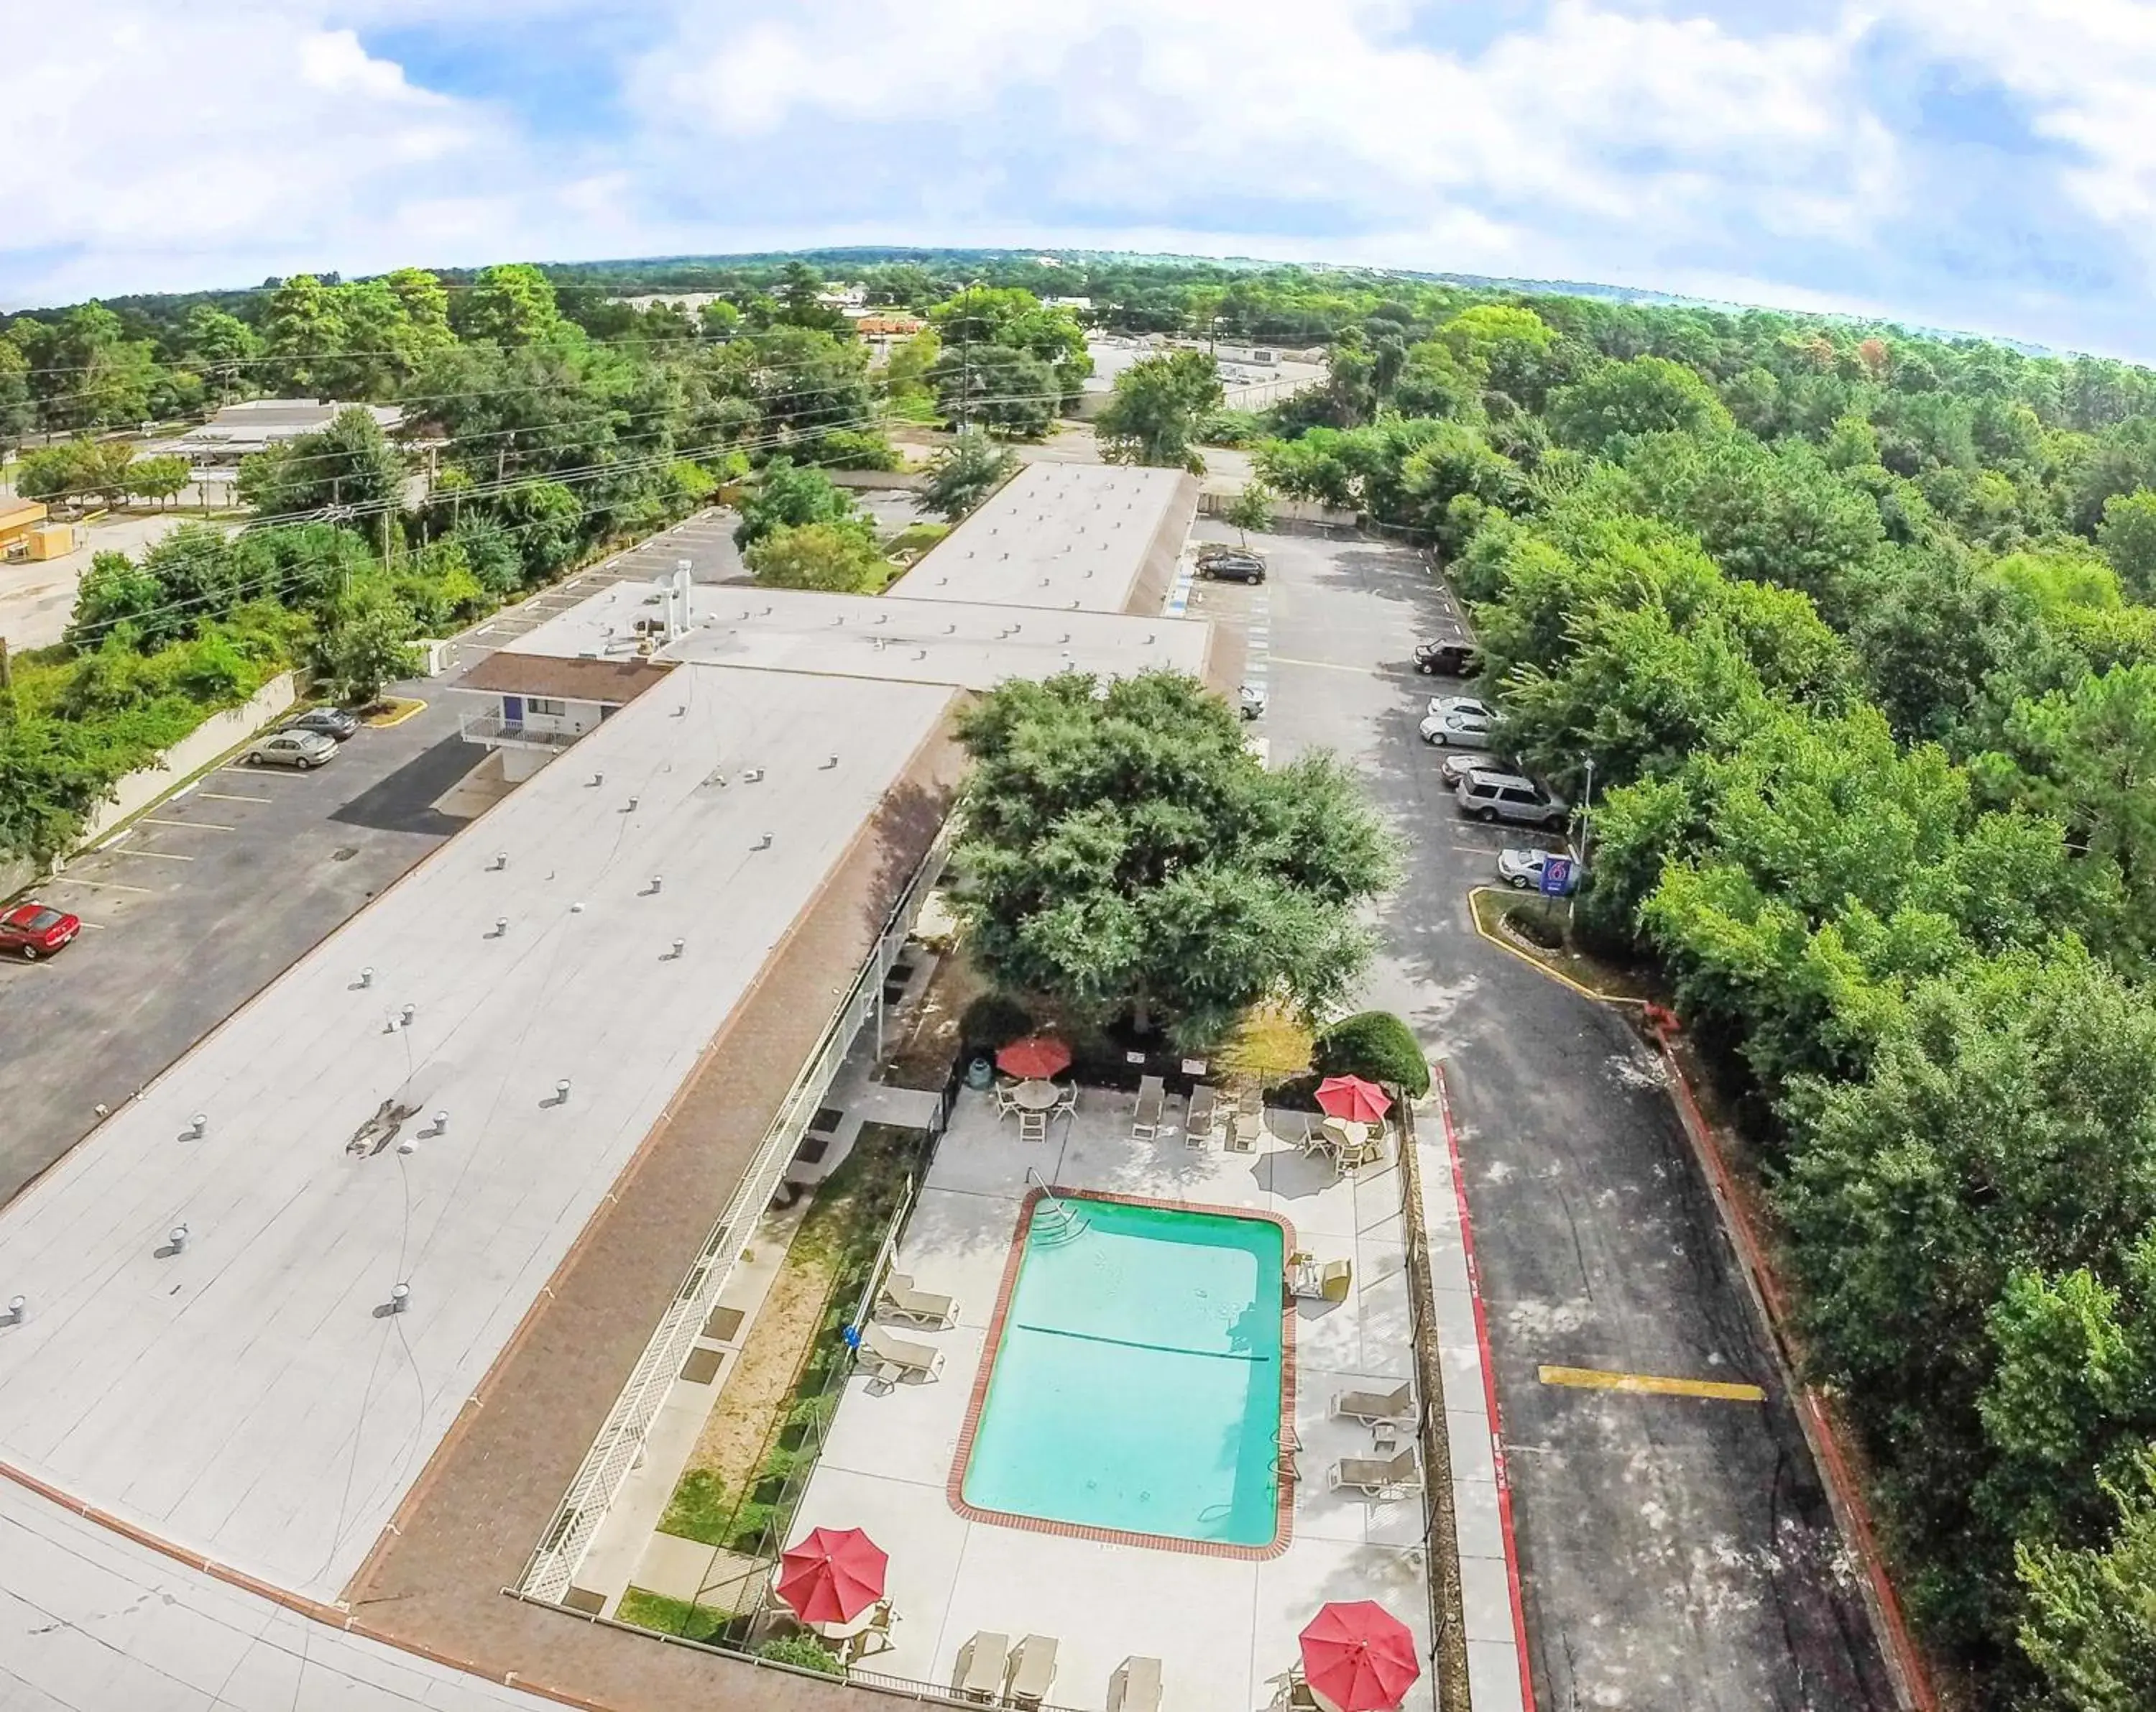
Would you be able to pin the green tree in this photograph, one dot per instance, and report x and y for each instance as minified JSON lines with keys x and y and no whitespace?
{"x":114,"y":590}
{"x":56,"y":472}
{"x":999,"y":388}
{"x":1125,"y":854}
{"x":303,"y":334}
{"x":366,"y":644}
{"x":2128,"y":536}
{"x":2090,"y":1628}
{"x":1153,"y":414}
{"x":1622,"y":401}
{"x":1251,"y":508}
{"x":510,"y":304}
{"x":222,"y":347}
{"x":159,"y":478}
{"x":789,"y":496}
{"x":964,"y":473}
{"x":831,"y":557}
{"x":19,"y":414}
{"x":349,"y":463}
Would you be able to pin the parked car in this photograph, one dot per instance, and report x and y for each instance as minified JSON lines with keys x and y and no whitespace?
{"x":1490,"y":795}
{"x":33,"y":930}
{"x":1440,"y":705}
{"x":292,"y":747}
{"x":1458,"y":763}
{"x":1453,"y":657}
{"x":1522,"y":870}
{"x":1459,"y":729}
{"x":1232,"y":567}
{"x":337,"y":722}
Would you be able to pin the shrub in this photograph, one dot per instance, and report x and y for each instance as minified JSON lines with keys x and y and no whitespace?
{"x":992,"y":1019}
{"x":804,"y":1652}
{"x":1376,"y":1046}
{"x":1270,"y":1045}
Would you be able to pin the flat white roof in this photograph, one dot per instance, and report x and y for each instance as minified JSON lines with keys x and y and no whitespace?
{"x":1064,"y":536}
{"x":93,"y":1620}
{"x":250,"y":1397}
{"x":967,"y":643}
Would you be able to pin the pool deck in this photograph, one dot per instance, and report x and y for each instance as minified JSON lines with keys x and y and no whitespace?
{"x":1224,"y":1628}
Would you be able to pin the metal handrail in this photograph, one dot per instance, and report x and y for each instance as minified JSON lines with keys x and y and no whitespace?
{"x":598,"y":1481}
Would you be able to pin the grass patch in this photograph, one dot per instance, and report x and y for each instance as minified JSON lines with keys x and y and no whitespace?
{"x":915,"y":538}
{"x":1523,"y":928}
{"x":672,"y":1617}
{"x":764,"y":1431}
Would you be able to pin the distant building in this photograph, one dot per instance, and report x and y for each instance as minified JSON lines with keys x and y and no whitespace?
{"x":259,"y":424}
{"x":889,"y":327}
{"x":1084,"y":304}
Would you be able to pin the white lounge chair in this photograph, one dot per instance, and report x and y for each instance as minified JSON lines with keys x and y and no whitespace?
{"x":982,"y":1664}
{"x":899,"y":1300}
{"x":1033,"y":1670}
{"x":1152,"y":1093}
{"x":1135,"y":1686}
{"x":1377,"y":1477}
{"x":1203,"y":1117}
{"x":1328,"y":1282}
{"x":1392,"y":1408}
{"x":894,"y":1357}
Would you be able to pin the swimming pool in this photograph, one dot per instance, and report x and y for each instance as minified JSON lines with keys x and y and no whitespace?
{"x":1136,"y":1384}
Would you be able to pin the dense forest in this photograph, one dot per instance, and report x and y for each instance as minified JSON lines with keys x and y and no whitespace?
{"x":1856,"y":628}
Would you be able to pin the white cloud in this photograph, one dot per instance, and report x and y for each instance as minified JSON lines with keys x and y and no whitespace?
{"x":1595,"y":115}
{"x":2087,"y":70}
{"x":1649,"y":142}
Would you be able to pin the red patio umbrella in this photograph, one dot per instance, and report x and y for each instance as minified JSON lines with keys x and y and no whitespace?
{"x":1036,"y":1057}
{"x":1357,"y":1657}
{"x":832,"y":1576}
{"x":1352,"y":1098}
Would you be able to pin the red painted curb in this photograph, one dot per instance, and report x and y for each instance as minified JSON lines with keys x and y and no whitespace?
{"x":1489,"y":1389}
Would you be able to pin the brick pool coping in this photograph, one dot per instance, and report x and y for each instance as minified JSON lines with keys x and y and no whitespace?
{"x":1283,"y":1490}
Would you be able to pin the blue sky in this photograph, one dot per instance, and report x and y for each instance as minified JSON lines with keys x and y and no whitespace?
{"x":1987,"y":168}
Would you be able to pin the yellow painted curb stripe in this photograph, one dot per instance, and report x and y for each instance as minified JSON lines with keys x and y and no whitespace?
{"x":396,"y":719}
{"x":1559,"y":975}
{"x":1591,"y":1379}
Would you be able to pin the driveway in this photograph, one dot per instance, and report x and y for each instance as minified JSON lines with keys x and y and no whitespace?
{"x":1676,"y":1551}
{"x":210,"y":895}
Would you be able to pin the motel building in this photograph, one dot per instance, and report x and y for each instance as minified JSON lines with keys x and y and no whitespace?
{"x":358,"y":1361}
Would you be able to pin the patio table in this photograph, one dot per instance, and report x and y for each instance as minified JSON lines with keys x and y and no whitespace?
{"x":1036,"y":1096}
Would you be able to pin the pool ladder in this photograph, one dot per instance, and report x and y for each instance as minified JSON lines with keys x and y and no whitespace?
{"x":1053,"y":1218}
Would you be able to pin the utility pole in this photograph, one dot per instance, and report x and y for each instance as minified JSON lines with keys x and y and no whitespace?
{"x":1586,"y":812}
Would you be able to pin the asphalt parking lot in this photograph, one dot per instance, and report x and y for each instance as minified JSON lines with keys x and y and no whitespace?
{"x":1675,"y":1551}
{"x":206,"y":897}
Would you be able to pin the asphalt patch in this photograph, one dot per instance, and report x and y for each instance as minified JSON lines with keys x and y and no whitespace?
{"x":404,"y":801}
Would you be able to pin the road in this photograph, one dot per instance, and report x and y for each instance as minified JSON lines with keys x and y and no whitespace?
{"x":212,"y":894}
{"x":1677,"y":1554}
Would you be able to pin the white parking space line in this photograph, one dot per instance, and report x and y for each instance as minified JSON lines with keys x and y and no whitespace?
{"x":98,"y":926}
{"x":222,"y":796}
{"x":195,"y":825}
{"x":162,"y":855}
{"x":103,"y":884}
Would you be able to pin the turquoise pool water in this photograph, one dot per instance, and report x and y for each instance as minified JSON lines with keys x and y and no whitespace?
{"x":1136,"y":1384}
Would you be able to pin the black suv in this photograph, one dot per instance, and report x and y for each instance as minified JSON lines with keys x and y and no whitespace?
{"x":1229,"y":563}
{"x":1452,"y":657}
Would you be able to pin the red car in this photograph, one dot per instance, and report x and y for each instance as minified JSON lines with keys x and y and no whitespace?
{"x":35,"y":930}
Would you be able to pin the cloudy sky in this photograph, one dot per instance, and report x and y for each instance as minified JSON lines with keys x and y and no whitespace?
{"x":1989,"y":166}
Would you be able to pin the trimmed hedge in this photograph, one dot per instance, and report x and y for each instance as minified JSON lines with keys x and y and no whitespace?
{"x":992,"y":1020}
{"x":1378,"y":1046}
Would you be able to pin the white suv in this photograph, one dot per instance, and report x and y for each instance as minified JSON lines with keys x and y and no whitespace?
{"x":1488,"y":796}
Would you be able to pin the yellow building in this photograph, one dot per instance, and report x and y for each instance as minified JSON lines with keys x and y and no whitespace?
{"x":17,"y":518}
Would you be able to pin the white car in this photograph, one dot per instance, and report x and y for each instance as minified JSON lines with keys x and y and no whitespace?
{"x":1522,"y":870}
{"x":1458,"y":729}
{"x":1442,"y":705}
{"x":293,"y":747}
{"x":1253,"y":700}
